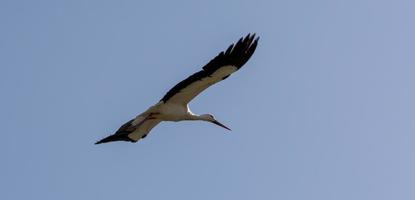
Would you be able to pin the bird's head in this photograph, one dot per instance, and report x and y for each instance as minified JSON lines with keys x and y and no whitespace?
{"x":210,"y":118}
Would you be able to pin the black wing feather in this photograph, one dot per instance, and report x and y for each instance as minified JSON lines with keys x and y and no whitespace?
{"x":236,"y":54}
{"x":121,"y":134}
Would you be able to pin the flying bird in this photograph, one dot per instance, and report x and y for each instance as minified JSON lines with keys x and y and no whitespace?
{"x":174,"y":104}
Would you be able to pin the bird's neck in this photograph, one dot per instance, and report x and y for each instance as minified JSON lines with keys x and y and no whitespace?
{"x":197,"y":117}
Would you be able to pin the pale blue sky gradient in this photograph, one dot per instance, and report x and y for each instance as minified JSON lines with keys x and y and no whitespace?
{"x":323,"y":110}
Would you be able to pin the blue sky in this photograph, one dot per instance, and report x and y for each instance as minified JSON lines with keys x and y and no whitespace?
{"x":323,"y":110}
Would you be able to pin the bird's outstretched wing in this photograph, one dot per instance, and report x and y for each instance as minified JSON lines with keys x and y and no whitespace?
{"x":133,"y":130}
{"x":219,"y":68}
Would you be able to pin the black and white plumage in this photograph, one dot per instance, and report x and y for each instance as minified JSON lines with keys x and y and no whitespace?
{"x":174,"y":105}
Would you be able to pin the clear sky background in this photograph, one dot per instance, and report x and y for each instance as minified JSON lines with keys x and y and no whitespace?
{"x":323,"y":110}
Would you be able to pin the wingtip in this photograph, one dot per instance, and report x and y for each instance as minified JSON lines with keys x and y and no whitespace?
{"x":105,"y":140}
{"x":248,"y":36}
{"x":253,"y":36}
{"x":251,"y":39}
{"x":115,"y":137}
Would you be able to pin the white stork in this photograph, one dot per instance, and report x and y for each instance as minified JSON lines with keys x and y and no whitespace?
{"x":174,"y":105}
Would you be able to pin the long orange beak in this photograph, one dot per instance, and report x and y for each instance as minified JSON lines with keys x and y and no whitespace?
{"x":220,"y":124}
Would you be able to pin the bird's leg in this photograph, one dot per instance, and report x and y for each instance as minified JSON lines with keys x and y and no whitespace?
{"x":150,"y":116}
{"x":153,"y":115}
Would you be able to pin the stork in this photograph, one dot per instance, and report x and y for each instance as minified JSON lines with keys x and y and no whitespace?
{"x":174,"y":104}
